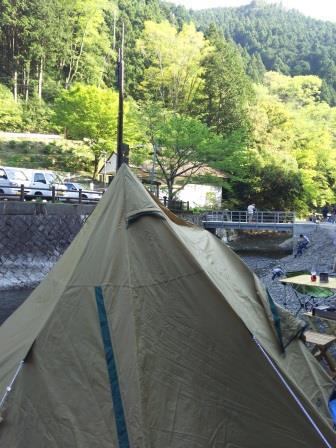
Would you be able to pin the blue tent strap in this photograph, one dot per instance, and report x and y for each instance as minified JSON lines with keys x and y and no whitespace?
{"x":276,"y":320}
{"x":112,"y":371}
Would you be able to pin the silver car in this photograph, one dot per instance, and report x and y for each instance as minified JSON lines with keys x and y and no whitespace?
{"x":10,"y":178}
{"x":41,"y":183}
{"x":73,"y":192}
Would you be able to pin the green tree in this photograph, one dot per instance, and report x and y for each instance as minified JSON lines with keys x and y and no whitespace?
{"x":37,"y":116}
{"x":173,"y":61}
{"x":286,"y":41}
{"x":10,"y":111}
{"x":90,"y":113}
{"x":256,"y":68}
{"x":301,"y":90}
{"x":133,"y":15}
{"x":86,"y":42}
{"x":183,"y":146}
{"x":57,"y":39}
{"x":227,"y":89}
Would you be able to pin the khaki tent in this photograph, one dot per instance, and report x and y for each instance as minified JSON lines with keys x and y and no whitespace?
{"x":151,"y":333}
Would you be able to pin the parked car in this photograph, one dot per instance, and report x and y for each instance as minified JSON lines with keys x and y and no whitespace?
{"x":73,"y":191}
{"x":41,"y":183}
{"x":12,"y":177}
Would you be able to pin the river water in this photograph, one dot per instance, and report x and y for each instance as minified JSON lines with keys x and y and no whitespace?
{"x":10,"y":300}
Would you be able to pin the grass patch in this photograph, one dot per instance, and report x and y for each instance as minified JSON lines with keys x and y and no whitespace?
{"x":64,"y":156}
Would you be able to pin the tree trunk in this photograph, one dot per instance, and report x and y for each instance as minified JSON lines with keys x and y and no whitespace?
{"x":95,"y":166}
{"x":26,"y":74}
{"x":15,"y":86}
{"x":170,"y":185}
{"x":15,"y":75}
{"x":40,"y":80}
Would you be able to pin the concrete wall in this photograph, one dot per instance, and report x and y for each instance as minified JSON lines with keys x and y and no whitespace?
{"x":32,"y":238}
{"x":201,"y":195}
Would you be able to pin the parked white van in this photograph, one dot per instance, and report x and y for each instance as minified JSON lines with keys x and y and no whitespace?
{"x":10,"y":178}
{"x":41,"y":182}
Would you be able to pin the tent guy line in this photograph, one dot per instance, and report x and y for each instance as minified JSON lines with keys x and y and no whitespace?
{"x":290,"y":390}
{"x":9,"y":387}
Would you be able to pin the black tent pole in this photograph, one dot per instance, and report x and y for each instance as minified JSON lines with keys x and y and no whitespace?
{"x":121,"y":108}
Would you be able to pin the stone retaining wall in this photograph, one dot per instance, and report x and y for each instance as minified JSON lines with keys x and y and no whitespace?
{"x":34,"y":235}
{"x":32,"y":238}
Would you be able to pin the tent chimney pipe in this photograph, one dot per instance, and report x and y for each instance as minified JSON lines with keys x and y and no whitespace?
{"x":121,"y":108}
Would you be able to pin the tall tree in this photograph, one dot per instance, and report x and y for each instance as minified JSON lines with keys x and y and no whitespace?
{"x":132,"y":14}
{"x":90,"y":113}
{"x":173,"y":61}
{"x":67,"y":41}
{"x":183,"y":145}
{"x":86,"y":40}
{"x":227,"y":89}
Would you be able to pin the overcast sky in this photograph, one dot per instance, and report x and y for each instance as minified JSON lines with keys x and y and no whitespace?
{"x":320,"y":9}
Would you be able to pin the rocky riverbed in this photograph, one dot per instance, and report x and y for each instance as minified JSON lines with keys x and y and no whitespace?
{"x":319,"y":256}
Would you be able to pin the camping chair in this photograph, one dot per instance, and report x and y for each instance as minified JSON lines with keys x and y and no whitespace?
{"x":308,"y":296}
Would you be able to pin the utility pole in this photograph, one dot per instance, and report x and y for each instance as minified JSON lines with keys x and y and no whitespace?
{"x":122,"y":149}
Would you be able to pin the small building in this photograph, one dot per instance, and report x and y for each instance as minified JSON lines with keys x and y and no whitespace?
{"x":204,"y":190}
{"x":201,"y":195}
{"x":109,"y":169}
{"x":199,"y":192}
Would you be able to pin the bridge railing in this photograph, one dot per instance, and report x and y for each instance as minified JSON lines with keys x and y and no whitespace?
{"x":260,"y":216}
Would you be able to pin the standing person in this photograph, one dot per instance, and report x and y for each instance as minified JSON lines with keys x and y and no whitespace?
{"x":250,"y":211}
{"x":302,"y":244}
{"x":325,"y":211}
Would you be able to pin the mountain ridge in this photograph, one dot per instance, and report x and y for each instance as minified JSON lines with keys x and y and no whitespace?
{"x":271,"y":37}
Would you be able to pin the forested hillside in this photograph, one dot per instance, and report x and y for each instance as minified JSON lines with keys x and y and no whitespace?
{"x":273,"y":38}
{"x":209,"y":93}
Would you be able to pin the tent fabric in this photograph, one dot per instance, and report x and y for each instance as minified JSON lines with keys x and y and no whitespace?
{"x":182,"y":312}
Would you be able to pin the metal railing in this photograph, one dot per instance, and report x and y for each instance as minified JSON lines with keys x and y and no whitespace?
{"x":262,"y":217}
{"x":53,"y":194}
{"x":175,"y":205}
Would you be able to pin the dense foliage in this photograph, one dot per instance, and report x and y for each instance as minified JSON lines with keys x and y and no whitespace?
{"x":248,"y":91}
{"x":273,"y":38}
{"x":291,"y":157}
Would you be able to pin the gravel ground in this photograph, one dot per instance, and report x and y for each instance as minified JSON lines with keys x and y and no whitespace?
{"x":319,"y":255}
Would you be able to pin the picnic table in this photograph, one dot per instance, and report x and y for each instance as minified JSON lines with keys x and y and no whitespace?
{"x":304,"y":279}
{"x":311,"y":293}
{"x":320,"y":342}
